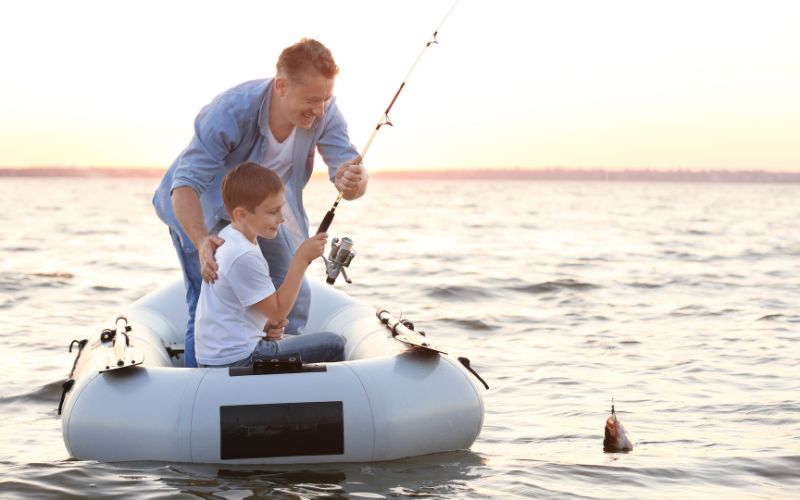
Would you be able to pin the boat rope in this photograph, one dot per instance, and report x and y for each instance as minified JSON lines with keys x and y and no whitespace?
{"x":465,"y":362}
{"x":67,"y":385}
{"x":65,"y":388}
{"x":403,"y":330}
{"x":384,"y":119}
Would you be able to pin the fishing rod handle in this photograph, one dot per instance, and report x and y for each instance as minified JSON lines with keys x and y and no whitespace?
{"x":326,"y":222}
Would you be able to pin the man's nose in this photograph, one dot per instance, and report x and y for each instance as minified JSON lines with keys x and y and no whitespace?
{"x":319,"y":110}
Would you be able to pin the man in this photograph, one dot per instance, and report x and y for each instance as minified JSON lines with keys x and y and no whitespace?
{"x":278,"y":123}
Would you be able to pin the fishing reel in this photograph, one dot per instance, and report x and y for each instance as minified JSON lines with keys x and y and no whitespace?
{"x":340,"y":256}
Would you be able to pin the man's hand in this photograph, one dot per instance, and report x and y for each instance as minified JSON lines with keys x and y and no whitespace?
{"x":274,"y":331}
{"x":351,"y":179}
{"x":206,"y":251}
{"x":186,"y":204}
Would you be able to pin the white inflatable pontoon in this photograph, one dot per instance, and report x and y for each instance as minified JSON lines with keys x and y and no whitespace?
{"x":128,"y":397}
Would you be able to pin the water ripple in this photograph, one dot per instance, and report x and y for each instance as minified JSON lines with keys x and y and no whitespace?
{"x":554,"y":286}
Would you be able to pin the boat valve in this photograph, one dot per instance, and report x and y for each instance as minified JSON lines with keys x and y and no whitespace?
{"x":340,"y":256}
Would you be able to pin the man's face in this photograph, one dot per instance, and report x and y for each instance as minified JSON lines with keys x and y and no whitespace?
{"x":305,"y":100}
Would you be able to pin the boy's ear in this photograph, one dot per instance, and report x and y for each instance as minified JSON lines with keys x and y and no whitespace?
{"x":238,"y":213}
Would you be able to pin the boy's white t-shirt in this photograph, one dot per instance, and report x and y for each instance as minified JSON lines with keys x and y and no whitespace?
{"x":227,"y":328}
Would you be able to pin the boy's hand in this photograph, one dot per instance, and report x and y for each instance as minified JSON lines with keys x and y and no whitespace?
{"x":206,"y":251}
{"x":350,"y":177}
{"x":275,"y":331}
{"x":312,"y":248}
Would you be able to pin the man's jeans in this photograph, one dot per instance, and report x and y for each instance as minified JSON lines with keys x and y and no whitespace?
{"x":278,"y":256}
{"x":313,"y":348}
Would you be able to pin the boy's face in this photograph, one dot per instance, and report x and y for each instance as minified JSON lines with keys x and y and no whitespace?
{"x":304,"y":101}
{"x":265,"y":220}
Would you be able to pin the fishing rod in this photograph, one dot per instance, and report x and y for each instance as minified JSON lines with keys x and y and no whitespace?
{"x":384,"y":119}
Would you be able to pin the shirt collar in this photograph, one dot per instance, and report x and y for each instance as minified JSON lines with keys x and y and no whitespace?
{"x":263,"y":113}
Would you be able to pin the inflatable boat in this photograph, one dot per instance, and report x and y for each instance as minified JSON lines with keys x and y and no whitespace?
{"x":396,"y":394}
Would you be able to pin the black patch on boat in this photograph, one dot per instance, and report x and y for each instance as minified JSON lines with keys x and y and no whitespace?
{"x":281,"y":430}
{"x":286,"y":363}
{"x":244,"y":371}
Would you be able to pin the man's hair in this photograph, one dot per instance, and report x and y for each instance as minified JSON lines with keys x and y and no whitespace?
{"x":248,"y":185}
{"x":306,"y":56}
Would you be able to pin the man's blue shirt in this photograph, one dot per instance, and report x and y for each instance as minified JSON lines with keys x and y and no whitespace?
{"x":232,"y":129}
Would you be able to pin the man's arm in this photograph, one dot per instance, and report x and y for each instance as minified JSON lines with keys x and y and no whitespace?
{"x":186,"y":205}
{"x":217,"y":132}
{"x":344,"y":163}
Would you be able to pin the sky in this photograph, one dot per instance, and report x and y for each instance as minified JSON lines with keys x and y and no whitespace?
{"x":699,"y":84}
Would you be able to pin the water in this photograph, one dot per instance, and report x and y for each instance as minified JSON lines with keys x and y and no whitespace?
{"x":680,"y":301}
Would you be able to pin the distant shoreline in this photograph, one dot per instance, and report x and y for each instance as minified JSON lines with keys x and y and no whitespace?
{"x":545,"y":174}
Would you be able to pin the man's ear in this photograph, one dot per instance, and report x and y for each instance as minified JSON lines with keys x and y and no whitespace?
{"x":280,"y":85}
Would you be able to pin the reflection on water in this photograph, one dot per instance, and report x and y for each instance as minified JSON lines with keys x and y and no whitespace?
{"x":443,"y":474}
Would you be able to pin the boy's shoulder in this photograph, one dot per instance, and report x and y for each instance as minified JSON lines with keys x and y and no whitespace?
{"x":234,"y":247}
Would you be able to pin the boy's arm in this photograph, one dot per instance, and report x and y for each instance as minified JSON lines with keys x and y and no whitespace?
{"x":276,"y":307}
{"x":274,"y":331}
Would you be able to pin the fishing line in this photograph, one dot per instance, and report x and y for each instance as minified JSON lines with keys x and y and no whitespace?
{"x":384,"y":119}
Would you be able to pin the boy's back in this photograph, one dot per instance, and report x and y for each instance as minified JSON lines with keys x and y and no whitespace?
{"x":227,"y":329}
{"x":233,"y":310}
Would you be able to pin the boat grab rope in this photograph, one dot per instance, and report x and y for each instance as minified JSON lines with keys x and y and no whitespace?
{"x":384,"y":119}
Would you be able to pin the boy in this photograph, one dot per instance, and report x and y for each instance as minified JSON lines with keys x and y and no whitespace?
{"x":233,"y":311}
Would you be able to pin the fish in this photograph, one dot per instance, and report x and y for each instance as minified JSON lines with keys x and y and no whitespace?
{"x":615,"y":438}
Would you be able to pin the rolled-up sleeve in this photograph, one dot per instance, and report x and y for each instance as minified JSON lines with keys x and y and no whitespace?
{"x":217,"y":132}
{"x":334,"y":143}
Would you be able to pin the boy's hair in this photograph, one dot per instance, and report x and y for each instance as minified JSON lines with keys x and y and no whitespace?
{"x":306,"y":56}
{"x":248,"y":185}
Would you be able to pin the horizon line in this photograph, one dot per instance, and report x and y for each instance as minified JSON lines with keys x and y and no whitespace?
{"x":484,"y":173}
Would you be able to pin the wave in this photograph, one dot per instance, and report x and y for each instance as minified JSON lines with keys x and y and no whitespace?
{"x":104,"y":288}
{"x":697,"y":310}
{"x":554,"y":286}
{"x":45,"y":394}
{"x":16,"y":281}
{"x":57,"y":274}
{"x":780,"y":318}
{"x":469,"y":324}
{"x":641,"y":284}
{"x":20,"y":249}
{"x":459,"y":292}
